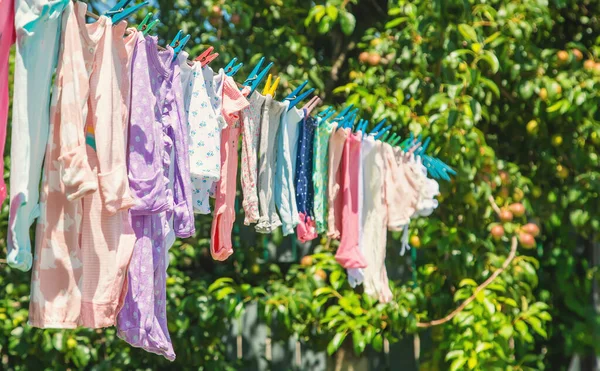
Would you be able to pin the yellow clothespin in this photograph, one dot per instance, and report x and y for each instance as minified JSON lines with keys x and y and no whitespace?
{"x":270,"y":89}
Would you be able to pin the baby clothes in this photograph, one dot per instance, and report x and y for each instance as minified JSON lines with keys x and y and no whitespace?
{"x":335,"y":201}
{"x":267,"y":155}
{"x":233,"y":102}
{"x":295,"y":117}
{"x":306,"y":230}
{"x":356,"y":276}
{"x":37,"y":29}
{"x":251,"y":120}
{"x":320,"y":163}
{"x":187,"y":79}
{"x":402,"y":190}
{"x":374,"y":237}
{"x":7,"y":38}
{"x":348,"y":253}
{"x":79,"y":269}
{"x":152,"y":141}
{"x":285,"y":194}
{"x":206,"y":123}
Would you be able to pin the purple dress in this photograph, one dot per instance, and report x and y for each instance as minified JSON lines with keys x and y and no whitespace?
{"x":157,"y":154}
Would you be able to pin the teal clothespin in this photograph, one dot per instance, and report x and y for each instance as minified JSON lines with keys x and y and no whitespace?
{"x":145,"y":27}
{"x":382,"y":132}
{"x":231,"y":69}
{"x":178,"y":43}
{"x":395,"y":142}
{"x":325,"y":111}
{"x":342,"y":113}
{"x":255,"y":78}
{"x":294,"y":98}
{"x":378,"y":127}
{"x":123,"y":13}
{"x":119,"y":7}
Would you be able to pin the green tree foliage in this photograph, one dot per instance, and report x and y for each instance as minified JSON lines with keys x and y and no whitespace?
{"x":509,"y":93}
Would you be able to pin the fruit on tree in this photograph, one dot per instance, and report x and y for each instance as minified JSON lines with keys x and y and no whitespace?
{"x":506,"y":216}
{"x":532,"y":229}
{"x":557,"y":140}
{"x":306,"y":261}
{"x":321,"y":274}
{"x":235,"y":19}
{"x":216,"y":10}
{"x":497,"y":232}
{"x":374,"y":59}
{"x":415,"y":241}
{"x":578,"y":54}
{"x":543,"y":94}
{"x":363,"y":57}
{"x":589,"y":64}
{"x":562,"y":172}
{"x":562,"y":56}
{"x":517,"y":209}
{"x":504,"y":177}
{"x":526,"y":240}
{"x":533,"y":127}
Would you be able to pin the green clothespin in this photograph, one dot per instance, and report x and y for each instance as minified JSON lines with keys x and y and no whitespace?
{"x":145,"y":27}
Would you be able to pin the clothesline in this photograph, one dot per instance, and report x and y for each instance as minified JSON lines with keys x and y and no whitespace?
{"x":157,"y":144}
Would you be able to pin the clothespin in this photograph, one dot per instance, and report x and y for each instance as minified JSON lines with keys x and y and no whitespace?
{"x":205,"y":57}
{"x":120,"y":13}
{"x":271,"y":89}
{"x":342,"y":113}
{"x":392,"y":138}
{"x":378,"y":127}
{"x":178,"y":43}
{"x":294,"y":98}
{"x":255,"y":78}
{"x":145,"y":27}
{"x":395,"y":142}
{"x":314,"y":102}
{"x":231,"y":69}
{"x":362,"y":126}
{"x":325,"y":111}
{"x":382,"y":131}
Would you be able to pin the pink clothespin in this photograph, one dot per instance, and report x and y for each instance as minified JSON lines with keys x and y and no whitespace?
{"x":205,"y":58}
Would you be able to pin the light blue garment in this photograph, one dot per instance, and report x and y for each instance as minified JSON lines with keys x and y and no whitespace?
{"x":38,"y":24}
{"x":285,"y":194}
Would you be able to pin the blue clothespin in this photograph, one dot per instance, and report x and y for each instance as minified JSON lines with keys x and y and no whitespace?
{"x":325,"y":111}
{"x":342,"y":113}
{"x":378,"y":127}
{"x":145,"y":27}
{"x":119,"y":7}
{"x":178,"y":43}
{"x":382,"y":131}
{"x":349,"y":121}
{"x":294,"y":98}
{"x":231,"y":69}
{"x":255,"y":78}
{"x":362,"y":127}
{"x":121,"y":13}
{"x":328,"y":116}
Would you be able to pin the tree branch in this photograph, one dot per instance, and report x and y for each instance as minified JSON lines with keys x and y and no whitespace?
{"x":511,"y":256}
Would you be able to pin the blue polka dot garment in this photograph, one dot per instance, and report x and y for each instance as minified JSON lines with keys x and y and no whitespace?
{"x":304,"y":167}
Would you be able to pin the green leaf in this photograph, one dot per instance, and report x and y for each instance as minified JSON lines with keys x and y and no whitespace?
{"x":224,"y":292}
{"x":322,"y":290}
{"x":458,"y":364}
{"x":491,"y":59}
{"x":482,"y":347}
{"x":347,"y":22}
{"x":454,"y":354}
{"x":319,"y":13}
{"x":334,"y":279}
{"x":467,"y":31}
{"x":377,"y":343}
{"x":492,"y":37}
{"x":332,"y":12}
{"x":396,"y":22}
{"x":467,"y":282}
{"x":336,"y":342}
{"x":358,"y":340}
{"x":452,"y":117}
{"x":556,"y":106}
{"x":491,"y":85}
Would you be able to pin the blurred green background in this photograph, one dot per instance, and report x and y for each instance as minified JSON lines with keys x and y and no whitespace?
{"x":508,"y":91}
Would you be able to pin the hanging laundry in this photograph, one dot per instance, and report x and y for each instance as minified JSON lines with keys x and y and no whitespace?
{"x":142,"y":322}
{"x":285,"y":192}
{"x":251,"y":117}
{"x":233,"y":101}
{"x":267,"y":155}
{"x":306,"y":230}
{"x":79,"y":274}
{"x":7,"y":38}
{"x":320,"y":172}
{"x":348,"y":253}
{"x":335,"y":201}
{"x":37,"y":27}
